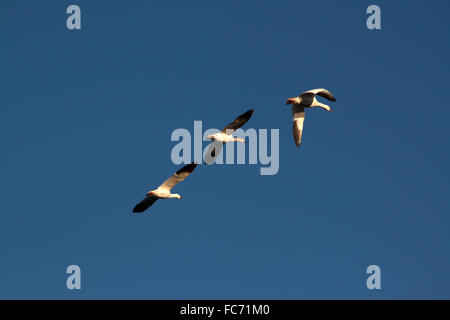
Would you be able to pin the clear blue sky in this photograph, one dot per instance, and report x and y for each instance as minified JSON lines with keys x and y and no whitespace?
{"x":86,"y":118}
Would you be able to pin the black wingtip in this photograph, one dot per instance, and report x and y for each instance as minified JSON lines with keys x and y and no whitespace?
{"x":137,"y":209}
{"x":246,"y":115}
{"x":332,"y":97}
{"x":187,"y":168}
{"x":144,"y":204}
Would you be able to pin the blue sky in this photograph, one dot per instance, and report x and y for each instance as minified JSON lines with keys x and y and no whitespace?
{"x":86,"y":118}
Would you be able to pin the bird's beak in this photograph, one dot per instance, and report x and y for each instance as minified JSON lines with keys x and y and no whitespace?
{"x":289,"y":101}
{"x":181,"y":197}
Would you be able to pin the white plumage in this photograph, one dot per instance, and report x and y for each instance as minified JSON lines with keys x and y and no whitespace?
{"x":306,"y":100}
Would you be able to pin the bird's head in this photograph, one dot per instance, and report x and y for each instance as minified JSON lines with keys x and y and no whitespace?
{"x":178,"y":196}
{"x":211,"y":137}
{"x":293,"y":100}
{"x":150,"y":193}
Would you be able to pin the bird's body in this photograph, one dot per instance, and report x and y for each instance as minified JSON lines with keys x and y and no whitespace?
{"x":163,"y":191}
{"x":306,"y":100}
{"x":163,"y":194}
{"x":226,"y":135}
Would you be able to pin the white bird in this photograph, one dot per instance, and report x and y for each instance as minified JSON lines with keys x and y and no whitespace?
{"x":306,"y":100}
{"x":226,"y":135}
{"x":163,"y":191}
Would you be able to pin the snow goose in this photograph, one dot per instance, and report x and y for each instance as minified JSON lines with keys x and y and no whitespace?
{"x":306,"y":100}
{"x":163,"y":191}
{"x":226,"y":135}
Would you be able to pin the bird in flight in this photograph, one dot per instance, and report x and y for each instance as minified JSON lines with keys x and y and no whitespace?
{"x":226,"y":135}
{"x":306,"y":100}
{"x":163,"y":191}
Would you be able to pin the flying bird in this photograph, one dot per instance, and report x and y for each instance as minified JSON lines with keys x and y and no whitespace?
{"x":163,"y":191}
{"x":226,"y":135}
{"x":306,"y":100}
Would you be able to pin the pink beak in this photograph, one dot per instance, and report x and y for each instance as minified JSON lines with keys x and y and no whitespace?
{"x":290,"y":101}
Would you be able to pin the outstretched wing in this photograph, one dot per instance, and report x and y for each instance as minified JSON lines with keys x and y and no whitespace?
{"x":298,"y":115}
{"x":145,"y":204}
{"x":177,"y":177}
{"x":239,"y":121}
{"x":213,"y":152}
{"x":321,"y":92}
